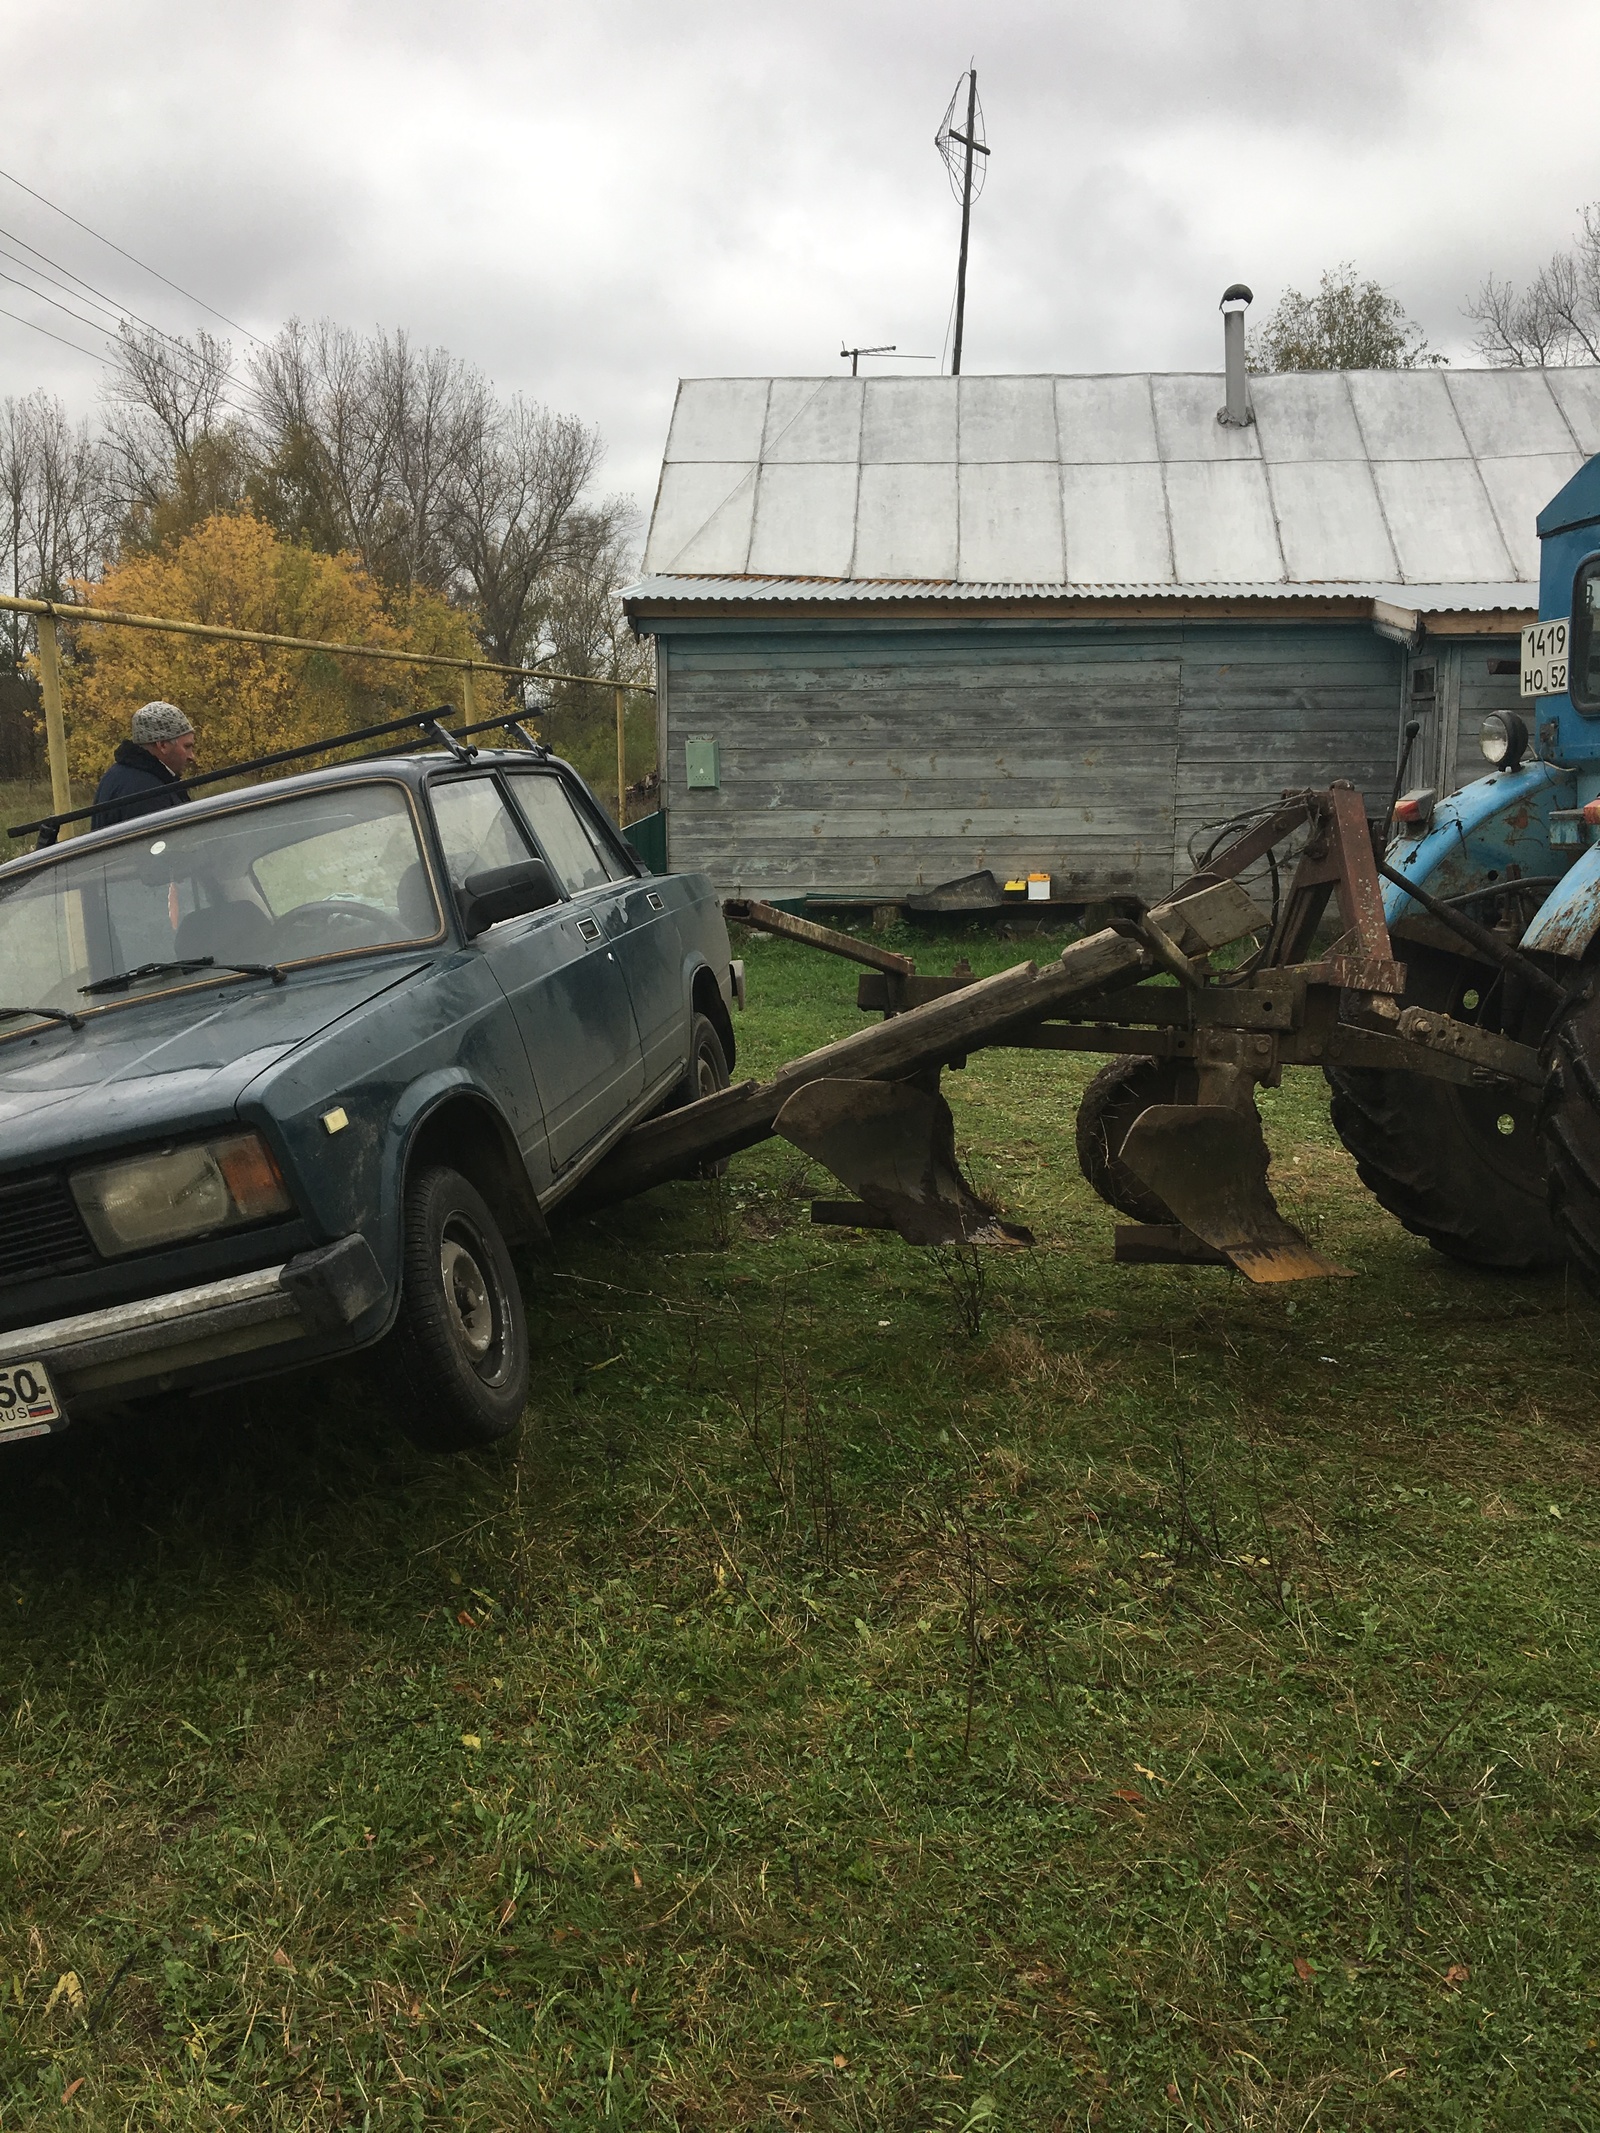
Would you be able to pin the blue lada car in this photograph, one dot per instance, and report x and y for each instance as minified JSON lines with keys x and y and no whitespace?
{"x":285,"y":1074}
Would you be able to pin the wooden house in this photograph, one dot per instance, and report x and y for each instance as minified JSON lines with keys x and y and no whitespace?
{"x":908,"y":628}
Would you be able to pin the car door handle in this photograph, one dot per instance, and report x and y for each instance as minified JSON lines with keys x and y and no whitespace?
{"x":588,"y":928}
{"x":653,"y":900}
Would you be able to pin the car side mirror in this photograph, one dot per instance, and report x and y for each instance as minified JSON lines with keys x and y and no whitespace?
{"x":504,"y":892}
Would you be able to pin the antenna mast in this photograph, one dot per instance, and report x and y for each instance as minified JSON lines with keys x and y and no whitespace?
{"x":948,"y":140}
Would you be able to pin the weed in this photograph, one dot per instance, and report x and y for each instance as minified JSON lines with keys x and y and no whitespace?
{"x":964,"y":1269}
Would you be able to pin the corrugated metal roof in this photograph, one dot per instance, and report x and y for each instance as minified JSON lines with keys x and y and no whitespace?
{"x":1508,"y":596}
{"x":1408,"y":480}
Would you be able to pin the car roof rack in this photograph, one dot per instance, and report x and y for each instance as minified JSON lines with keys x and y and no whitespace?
{"x":425,"y":723}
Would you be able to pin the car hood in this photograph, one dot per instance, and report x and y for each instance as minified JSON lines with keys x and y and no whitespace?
{"x":180,"y":1060}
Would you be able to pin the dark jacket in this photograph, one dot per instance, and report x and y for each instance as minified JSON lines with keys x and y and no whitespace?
{"x":137,"y":783}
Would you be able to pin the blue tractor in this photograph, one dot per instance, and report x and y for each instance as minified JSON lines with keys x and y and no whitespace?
{"x":1503,"y":1175}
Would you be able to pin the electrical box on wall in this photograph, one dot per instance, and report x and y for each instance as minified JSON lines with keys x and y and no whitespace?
{"x":700,"y":765}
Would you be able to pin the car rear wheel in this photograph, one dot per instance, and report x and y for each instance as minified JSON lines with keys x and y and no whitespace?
{"x":707,"y":1071}
{"x":460,"y":1350}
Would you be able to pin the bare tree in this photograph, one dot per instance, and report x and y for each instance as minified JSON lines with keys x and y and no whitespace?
{"x":57,"y":508}
{"x":1556,"y":318}
{"x":359,"y":443}
{"x":514,"y":522}
{"x":581,"y":618}
{"x":180,"y":449}
{"x":401,"y":455}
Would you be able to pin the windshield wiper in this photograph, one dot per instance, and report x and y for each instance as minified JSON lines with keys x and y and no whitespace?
{"x":125,"y":978}
{"x":45,"y":1014}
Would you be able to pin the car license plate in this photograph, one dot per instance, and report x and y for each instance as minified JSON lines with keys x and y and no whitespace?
{"x":1544,"y":659}
{"x":28,"y":1404}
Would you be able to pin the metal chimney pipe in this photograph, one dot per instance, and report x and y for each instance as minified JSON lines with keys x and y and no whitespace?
{"x":1237,"y":413}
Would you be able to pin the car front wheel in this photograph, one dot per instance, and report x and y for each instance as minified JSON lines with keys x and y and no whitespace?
{"x":460,"y":1349}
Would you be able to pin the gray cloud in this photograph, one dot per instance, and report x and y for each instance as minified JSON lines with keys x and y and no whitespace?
{"x":590,"y":202}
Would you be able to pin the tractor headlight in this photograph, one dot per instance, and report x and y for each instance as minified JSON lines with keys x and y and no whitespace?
{"x":174,"y":1193}
{"x":1503,"y":739}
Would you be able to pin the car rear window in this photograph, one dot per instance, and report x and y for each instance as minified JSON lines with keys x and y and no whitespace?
{"x":476,"y":828}
{"x":577,"y":852}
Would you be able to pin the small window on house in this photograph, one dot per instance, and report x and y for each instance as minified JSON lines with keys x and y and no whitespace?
{"x":1583,"y":660}
{"x":1422,"y":682}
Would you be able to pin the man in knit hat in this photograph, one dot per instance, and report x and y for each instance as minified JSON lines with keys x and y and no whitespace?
{"x":146,"y":768}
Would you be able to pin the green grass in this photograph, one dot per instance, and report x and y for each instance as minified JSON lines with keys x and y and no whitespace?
{"x":24,"y":801}
{"x":1173,"y":1706}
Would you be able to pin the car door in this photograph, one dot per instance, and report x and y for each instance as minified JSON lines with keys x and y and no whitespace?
{"x":558,"y":970}
{"x":633,"y":912}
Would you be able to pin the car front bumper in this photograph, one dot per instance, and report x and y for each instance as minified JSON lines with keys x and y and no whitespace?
{"x":161,"y":1341}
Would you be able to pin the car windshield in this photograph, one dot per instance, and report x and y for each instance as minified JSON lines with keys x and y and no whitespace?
{"x":1584,"y":665}
{"x":281,"y":881}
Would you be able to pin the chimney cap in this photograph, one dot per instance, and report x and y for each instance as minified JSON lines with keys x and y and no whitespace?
{"x":1237,"y":293}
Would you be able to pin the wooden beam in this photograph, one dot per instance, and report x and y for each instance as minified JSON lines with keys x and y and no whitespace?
{"x":924,"y":1036}
{"x":769,"y":919}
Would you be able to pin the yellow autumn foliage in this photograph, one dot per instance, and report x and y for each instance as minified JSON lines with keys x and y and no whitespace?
{"x":248,"y":699}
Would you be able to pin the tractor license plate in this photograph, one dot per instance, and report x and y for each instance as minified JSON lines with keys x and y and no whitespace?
{"x":28,"y":1404}
{"x":1544,"y":659}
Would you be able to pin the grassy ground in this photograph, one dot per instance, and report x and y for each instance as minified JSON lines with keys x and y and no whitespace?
{"x":1118,"y":1698}
{"x":21,"y":801}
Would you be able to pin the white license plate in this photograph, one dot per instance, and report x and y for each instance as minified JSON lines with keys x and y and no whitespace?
{"x":1544,"y":659}
{"x":28,"y":1403}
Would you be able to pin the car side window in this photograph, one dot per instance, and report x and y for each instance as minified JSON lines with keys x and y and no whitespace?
{"x":572,"y":848}
{"x":476,"y":828}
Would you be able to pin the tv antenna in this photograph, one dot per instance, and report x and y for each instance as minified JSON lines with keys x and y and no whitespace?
{"x":855,"y":355}
{"x":966,"y":182}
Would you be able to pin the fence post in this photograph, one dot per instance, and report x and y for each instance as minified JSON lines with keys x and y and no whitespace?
{"x":55,"y":725}
{"x":622,"y":764}
{"x":469,"y":696}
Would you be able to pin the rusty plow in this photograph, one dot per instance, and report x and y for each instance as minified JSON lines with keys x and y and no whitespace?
{"x":1208,"y":1164}
{"x":893,"y":1145}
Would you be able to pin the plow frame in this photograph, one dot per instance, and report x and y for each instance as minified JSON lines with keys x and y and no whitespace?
{"x":1228,"y":1030}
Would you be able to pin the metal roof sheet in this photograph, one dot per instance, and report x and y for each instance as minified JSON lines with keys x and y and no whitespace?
{"x":1507,"y":596}
{"x":1408,"y":479}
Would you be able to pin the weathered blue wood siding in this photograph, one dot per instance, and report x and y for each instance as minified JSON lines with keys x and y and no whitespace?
{"x":886,"y":759}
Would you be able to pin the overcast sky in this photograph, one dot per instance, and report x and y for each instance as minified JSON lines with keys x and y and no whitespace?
{"x":592,"y":201}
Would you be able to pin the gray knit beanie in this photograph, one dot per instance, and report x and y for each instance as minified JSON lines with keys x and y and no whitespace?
{"x":159,"y":722}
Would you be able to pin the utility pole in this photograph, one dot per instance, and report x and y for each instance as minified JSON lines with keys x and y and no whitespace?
{"x":966,"y":192}
{"x":966,"y":221}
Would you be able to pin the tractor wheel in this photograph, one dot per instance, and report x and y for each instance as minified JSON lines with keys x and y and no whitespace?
{"x":1111,"y":1103}
{"x":1569,"y":1133}
{"x":1460,"y":1166}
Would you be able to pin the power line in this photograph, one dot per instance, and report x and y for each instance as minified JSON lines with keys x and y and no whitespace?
{"x":188,"y":294}
{"x":122,"y":311}
{"x":93,"y":324}
{"x":49,"y":336}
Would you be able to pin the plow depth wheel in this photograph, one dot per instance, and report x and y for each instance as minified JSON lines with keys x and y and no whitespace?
{"x":1111,"y":1103}
{"x":1460,"y":1166}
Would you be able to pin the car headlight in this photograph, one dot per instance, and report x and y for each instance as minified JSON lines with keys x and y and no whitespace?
{"x":173,"y":1193}
{"x":1503,"y":739}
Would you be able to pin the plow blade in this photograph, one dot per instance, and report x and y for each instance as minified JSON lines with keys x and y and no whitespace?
{"x":1208,"y":1162}
{"x":894,"y":1146}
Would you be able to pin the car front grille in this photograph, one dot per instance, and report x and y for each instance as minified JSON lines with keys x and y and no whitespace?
{"x":41,"y":1231}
